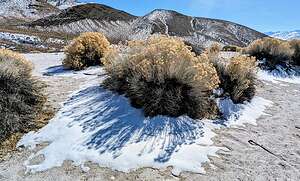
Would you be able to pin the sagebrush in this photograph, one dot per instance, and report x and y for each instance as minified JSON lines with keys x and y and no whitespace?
{"x":271,"y":52}
{"x":86,"y":50}
{"x":295,"y":45}
{"x":241,"y":72}
{"x":237,"y":75}
{"x":21,"y":100}
{"x":162,"y":76}
{"x":15,"y":62}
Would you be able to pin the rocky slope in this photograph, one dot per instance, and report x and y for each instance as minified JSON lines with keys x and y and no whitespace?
{"x":28,"y":10}
{"x":118,"y":25}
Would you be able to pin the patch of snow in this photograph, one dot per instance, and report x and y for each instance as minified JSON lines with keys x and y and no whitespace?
{"x":55,"y":41}
{"x":100,"y":126}
{"x":57,"y":68}
{"x":160,"y":14}
{"x":55,"y":58}
{"x":240,"y":114}
{"x":280,"y":75}
{"x":63,"y":4}
{"x":20,"y":38}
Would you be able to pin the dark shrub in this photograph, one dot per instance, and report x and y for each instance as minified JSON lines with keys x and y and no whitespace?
{"x":231,"y":48}
{"x":21,"y":100}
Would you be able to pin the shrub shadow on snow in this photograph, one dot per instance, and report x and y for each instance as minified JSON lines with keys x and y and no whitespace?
{"x":110,"y":123}
{"x":114,"y":123}
{"x":100,"y":126}
{"x":229,"y":110}
{"x":56,"y":70}
{"x":59,"y":70}
{"x":281,"y":74}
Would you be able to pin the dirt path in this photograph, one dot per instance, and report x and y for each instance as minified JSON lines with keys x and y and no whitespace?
{"x":278,"y":158}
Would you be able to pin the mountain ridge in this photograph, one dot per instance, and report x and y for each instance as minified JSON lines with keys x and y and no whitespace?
{"x":285,"y":35}
{"x":28,"y":10}
{"x":197,"y":31}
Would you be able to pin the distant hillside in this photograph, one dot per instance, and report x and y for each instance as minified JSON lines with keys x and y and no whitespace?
{"x":83,"y":12}
{"x":68,"y":18}
{"x":285,"y":35}
{"x":198,"y":32}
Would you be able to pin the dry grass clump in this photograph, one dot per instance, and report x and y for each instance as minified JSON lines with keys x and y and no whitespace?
{"x":10,"y":59}
{"x":21,"y":99}
{"x":162,"y":76}
{"x":271,"y":51}
{"x":236,"y":74}
{"x":214,"y":49}
{"x":86,"y":50}
{"x":241,"y":71}
{"x":213,"y":52}
{"x":237,"y":77}
{"x":295,"y":45}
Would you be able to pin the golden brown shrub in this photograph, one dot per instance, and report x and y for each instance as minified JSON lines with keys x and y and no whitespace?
{"x":162,"y":76}
{"x":10,"y":59}
{"x":85,"y":50}
{"x":295,"y":45}
{"x":272,"y":51}
{"x":21,"y":100}
{"x":214,"y":49}
{"x":237,"y":76}
{"x":241,"y":71}
{"x":213,"y":52}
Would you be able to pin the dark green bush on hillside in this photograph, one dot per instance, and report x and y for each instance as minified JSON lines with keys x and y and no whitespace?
{"x":231,"y":48}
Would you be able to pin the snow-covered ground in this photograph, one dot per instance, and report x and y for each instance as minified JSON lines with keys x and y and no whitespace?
{"x":280,"y":75}
{"x":97,"y":125}
{"x":29,"y":39}
{"x":20,"y":38}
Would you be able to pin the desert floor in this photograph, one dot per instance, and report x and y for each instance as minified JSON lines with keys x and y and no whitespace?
{"x":278,"y":134}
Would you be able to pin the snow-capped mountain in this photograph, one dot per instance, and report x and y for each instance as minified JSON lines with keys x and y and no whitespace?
{"x":197,"y":32}
{"x":63,"y":4}
{"x":32,"y":9}
{"x":285,"y":35}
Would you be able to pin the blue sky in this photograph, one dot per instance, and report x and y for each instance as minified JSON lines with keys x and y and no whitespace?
{"x":262,"y":15}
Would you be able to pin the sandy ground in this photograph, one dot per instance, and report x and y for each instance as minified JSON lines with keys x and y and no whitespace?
{"x":278,"y":134}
